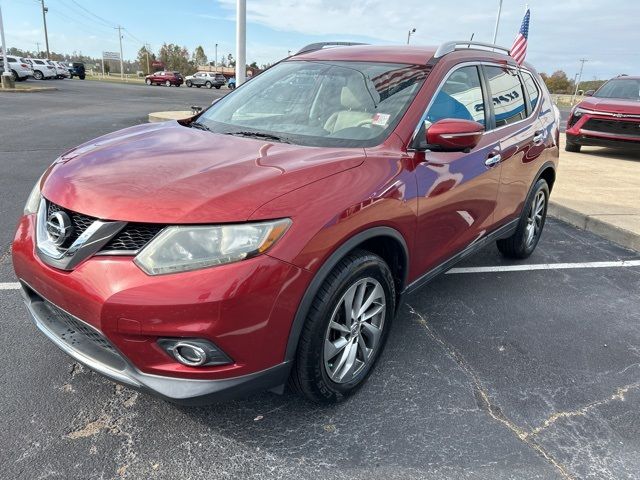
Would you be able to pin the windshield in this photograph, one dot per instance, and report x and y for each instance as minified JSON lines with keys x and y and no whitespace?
{"x":625,"y":88}
{"x":327,"y":104}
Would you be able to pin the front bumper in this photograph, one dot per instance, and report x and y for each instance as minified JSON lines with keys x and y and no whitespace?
{"x":88,"y":346}
{"x":604,"y":130}
{"x":246,"y":309}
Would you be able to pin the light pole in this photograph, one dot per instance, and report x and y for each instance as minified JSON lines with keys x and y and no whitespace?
{"x":44,"y":19}
{"x":495,"y":31}
{"x":241,"y":42}
{"x":7,"y":76}
{"x":582,"y":62}
{"x":411,"y":32}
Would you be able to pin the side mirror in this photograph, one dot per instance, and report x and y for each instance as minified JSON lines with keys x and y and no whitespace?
{"x":195,"y":109}
{"x":454,"y":135}
{"x":589,"y":93}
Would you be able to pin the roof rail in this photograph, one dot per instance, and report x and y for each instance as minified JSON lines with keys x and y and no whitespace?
{"x":450,"y":47}
{"x":320,"y":45}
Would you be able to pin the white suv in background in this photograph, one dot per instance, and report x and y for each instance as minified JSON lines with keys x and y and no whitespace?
{"x":61,"y":70}
{"x":20,"y":67}
{"x":41,"y":69}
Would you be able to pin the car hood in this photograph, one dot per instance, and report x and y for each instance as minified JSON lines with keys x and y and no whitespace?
{"x":169,"y":173}
{"x":612,"y":105}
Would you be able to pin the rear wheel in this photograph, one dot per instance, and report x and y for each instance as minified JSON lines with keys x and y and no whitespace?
{"x":167,"y":83}
{"x":81,"y":77}
{"x":208,"y":85}
{"x":218,"y":87}
{"x":525,"y":239}
{"x":346,"y":328}
{"x":38,"y":75}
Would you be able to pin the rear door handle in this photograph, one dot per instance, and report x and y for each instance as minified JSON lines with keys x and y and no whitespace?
{"x":539,"y":137}
{"x":493,"y":160}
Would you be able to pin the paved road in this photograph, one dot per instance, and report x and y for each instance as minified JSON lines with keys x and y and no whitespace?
{"x":496,"y":375}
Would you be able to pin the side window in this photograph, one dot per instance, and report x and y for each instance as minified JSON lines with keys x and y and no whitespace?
{"x":460,"y":97}
{"x":507,"y":95}
{"x":532,"y":89}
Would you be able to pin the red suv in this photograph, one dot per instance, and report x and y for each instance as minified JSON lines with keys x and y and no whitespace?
{"x":610,"y":117}
{"x":271,"y":238}
{"x":164,"y":78}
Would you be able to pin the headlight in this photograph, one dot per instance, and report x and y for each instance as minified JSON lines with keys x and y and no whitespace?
{"x":577,"y":112}
{"x":34,"y":199}
{"x":183,"y":248}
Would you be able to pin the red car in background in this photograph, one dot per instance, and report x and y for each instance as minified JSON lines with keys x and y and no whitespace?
{"x":164,"y":78}
{"x":271,"y":238}
{"x":610,"y":117}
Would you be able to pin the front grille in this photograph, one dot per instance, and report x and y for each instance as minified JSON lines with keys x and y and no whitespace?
{"x":616,"y":127}
{"x":133,"y":237}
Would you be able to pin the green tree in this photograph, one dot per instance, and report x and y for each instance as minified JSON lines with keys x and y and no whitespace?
{"x":199,"y":57}
{"x":145,"y":60}
{"x":558,"y":82}
{"x":176,"y":58}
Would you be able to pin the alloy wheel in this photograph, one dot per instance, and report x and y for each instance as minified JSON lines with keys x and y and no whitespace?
{"x":534,"y":221}
{"x":355,"y":330}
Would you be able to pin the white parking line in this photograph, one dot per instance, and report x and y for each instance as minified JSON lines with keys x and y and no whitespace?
{"x":545,"y":266}
{"x":9,"y":286}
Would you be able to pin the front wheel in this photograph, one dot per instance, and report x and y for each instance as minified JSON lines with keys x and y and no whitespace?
{"x":572,"y":147}
{"x":188,"y":83}
{"x":523,"y":242}
{"x":208,"y":85}
{"x":345,"y":329}
{"x":217,"y":87}
{"x":167,"y":83}
{"x":148,"y":81}
{"x":38,"y":75}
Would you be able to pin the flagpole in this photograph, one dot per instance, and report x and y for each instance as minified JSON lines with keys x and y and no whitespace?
{"x":495,"y":31}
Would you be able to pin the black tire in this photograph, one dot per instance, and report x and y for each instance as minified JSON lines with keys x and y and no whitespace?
{"x":309,"y":375}
{"x":198,"y":86}
{"x":37,"y":74}
{"x":520,"y":245}
{"x":81,"y":77}
{"x":15,"y":76}
{"x":572,"y":147}
{"x":148,"y":81}
{"x":217,"y":87}
{"x":208,"y":85}
{"x":188,"y":83}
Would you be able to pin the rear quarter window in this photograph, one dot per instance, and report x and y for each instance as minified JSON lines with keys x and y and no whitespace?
{"x":507,"y":95}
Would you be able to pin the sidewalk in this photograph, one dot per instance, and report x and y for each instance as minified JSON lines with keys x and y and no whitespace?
{"x":599,"y":190}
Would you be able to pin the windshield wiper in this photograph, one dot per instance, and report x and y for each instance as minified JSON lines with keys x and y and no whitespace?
{"x":199,"y":126}
{"x":266,"y":136}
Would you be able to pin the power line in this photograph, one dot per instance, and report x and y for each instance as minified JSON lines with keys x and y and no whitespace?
{"x":106,"y":22}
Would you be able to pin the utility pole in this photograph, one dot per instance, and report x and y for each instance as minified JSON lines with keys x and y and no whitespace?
{"x":119,"y":28}
{"x":38,"y":47}
{"x":411,"y":32}
{"x":147,"y":47}
{"x":495,"y":31}
{"x":44,"y":20}
{"x":241,"y":42}
{"x":7,"y":76}
{"x":582,"y":62}
{"x":215,"y":59}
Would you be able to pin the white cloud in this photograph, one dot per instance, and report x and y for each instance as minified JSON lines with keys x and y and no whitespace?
{"x":562,"y":31}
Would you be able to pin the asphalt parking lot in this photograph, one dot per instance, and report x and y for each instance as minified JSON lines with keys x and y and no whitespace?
{"x":488,"y":373}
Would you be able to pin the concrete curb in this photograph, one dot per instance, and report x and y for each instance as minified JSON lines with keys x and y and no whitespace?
{"x":172,"y":115}
{"x":583,"y":221}
{"x":28,"y":90}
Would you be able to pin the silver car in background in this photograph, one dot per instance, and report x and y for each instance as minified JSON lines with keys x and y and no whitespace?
{"x":206,"y":79}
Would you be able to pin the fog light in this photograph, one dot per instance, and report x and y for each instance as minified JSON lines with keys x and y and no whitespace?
{"x":194,"y":353}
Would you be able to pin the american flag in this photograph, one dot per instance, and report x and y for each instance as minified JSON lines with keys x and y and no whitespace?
{"x":519,"y":49}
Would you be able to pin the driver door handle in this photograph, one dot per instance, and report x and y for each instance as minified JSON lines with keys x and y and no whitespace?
{"x":493,"y":160}
{"x":538,"y":138}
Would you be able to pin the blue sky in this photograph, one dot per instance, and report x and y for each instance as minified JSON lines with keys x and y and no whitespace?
{"x":560,"y":29}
